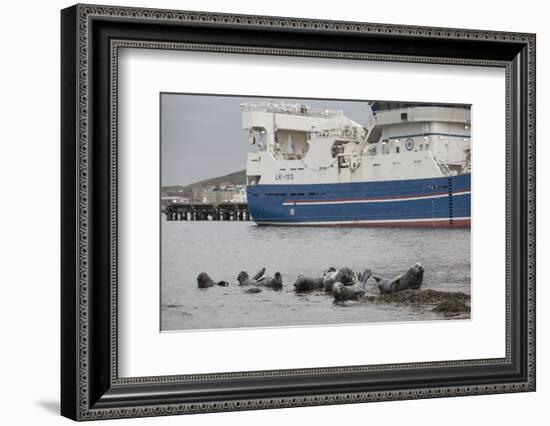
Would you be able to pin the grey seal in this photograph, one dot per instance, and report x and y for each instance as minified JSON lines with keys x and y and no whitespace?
{"x":259,"y":274}
{"x":204,"y":281}
{"x":343,"y":275}
{"x":244,"y":279}
{"x":410,"y":280}
{"x":276,"y":283}
{"x":329,"y":278}
{"x":346,"y":276}
{"x":303,"y":283}
{"x":343,"y":293}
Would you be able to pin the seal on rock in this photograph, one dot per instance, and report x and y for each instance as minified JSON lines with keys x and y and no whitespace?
{"x":410,"y":280}
{"x":346,"y":276}
{"x":343,"y":275}
{"x":204,"y":281}
{"x":307,"y":283}
{"x":343,"y":293}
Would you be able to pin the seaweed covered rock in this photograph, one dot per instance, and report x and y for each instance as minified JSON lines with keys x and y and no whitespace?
{"x":446,"y":303}
{"x":450,"y":309}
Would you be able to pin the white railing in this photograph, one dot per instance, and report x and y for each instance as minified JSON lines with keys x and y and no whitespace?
{"x":348,"y":132}
{"x":294,"y":109}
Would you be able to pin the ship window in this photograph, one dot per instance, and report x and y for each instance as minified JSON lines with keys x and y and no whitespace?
{"x":404,"y":116}
{"x":427,"y":146}
{"x":421,"y":147}
{"x":397,"y":150}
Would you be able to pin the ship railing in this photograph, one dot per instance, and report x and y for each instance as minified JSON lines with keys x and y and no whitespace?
{"x":287,"y":156}
{"x":352,"y":133}
{"x":293,"y":109}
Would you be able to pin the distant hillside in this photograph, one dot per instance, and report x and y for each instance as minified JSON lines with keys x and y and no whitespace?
{"x":236,"y":178}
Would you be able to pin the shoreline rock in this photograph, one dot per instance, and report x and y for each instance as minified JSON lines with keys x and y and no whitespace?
{"x":446,"y":303}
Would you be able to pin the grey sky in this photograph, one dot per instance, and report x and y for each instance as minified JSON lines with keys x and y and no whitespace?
{"x":201,"y":135}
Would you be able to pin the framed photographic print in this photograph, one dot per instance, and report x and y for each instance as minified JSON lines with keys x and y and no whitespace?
{"x":264,"y":212}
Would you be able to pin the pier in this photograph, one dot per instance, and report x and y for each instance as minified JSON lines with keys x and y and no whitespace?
{"x":207,"y":211}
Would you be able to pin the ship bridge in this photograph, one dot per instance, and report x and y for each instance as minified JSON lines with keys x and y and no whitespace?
{"x":445,"y":130}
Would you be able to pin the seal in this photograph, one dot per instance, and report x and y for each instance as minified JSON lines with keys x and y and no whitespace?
{"x":410,"y":280}
{"x":343,"y":275}
{"x":344,"y":293}
{"x":258,"y":279}
{"x":329,"y":278}
{"x":307,"y":283}
{"x":204,"y":281}
{"x":244,"y":279}
{"x":276,"y":283}
{"x":253,"y":290}
{"x":346,"y":276}
{"x":259,"y":274}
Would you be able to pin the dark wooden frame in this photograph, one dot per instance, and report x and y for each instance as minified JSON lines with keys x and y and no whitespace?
{"x":90,"y":386}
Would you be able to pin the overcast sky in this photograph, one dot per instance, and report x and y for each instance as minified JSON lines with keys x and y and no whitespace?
{"x":201,"y":135}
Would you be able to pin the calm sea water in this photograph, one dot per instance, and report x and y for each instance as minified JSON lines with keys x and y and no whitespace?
{"x":223,"y":249}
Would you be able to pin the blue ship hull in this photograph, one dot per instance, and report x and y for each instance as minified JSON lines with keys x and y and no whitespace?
{"x":434,"y":202}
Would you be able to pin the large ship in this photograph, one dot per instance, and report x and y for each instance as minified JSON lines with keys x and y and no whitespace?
{"x":409,"y":165}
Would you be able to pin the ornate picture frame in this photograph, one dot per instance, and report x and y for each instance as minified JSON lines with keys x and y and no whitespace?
{"x":91,"y":37}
